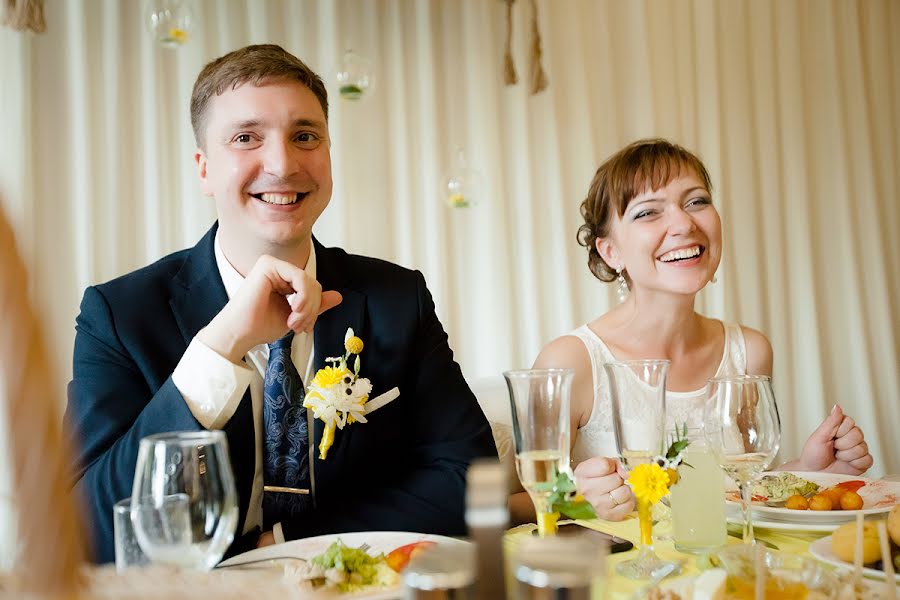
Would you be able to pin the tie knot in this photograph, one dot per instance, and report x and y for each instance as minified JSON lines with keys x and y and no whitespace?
{"x":283,"y":343}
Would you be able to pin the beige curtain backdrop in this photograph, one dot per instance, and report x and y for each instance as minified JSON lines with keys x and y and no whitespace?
{"x":794,"y":106}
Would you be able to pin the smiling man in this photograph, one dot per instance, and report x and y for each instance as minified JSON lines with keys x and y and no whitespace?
{"x":227,"y":334}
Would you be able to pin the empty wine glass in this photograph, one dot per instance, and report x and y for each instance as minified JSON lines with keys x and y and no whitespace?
{"x":181,"y":469}
{"x":638,"y":394}
{"x":743,"y":430}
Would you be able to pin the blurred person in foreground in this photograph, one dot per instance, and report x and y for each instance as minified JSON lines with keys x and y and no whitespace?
{"x":186,"y":343}
{"x":41,"y":541}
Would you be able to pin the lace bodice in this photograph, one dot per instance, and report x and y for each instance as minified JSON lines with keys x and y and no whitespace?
{"x":596,"y":438}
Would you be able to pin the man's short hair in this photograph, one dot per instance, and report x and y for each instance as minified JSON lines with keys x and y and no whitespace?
{"x":251,"y":64}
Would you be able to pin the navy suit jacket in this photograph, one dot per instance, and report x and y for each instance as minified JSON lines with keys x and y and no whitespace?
{"x":403,"y":470}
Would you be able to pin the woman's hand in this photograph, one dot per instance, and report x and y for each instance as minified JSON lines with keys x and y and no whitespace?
{"x":836,"y":446}
{"x":602,"y":484}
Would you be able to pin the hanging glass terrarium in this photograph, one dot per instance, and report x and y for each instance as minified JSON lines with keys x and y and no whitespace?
{"x":355,"y":76}
{"x":170,"y":21}
{"x":464,"y":185}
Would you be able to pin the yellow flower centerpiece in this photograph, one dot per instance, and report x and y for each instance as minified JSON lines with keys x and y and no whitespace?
{"x":337,"y":394}
{"x":650,"y":482}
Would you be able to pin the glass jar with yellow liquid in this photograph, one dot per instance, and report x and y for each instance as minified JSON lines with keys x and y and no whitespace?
{"x":698,"y":499}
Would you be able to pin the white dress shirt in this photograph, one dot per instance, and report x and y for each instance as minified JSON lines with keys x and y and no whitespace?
{"x":212,"y":386}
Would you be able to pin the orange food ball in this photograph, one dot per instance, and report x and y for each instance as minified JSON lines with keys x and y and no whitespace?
{"x":820,"y":502}
{"x":797,"y":502}
{"x":851,"y":501}
{"x":834,"y":494}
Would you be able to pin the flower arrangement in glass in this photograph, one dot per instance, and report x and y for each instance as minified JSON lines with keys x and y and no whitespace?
{"x":638,"y":394}
{"x":539,"y":402}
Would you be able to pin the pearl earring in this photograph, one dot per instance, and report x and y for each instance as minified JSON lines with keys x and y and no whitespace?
{"x":621,"y":285}
{"x":713,"y":279}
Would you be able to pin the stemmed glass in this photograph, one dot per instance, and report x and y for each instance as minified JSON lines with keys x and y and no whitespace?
{"x":184,"y":503}
{"x":539,"y":402}
{"x":638,"y":393}
{"x":742,"y":428}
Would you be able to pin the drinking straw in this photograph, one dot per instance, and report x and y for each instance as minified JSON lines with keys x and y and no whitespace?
{"x":890,"y":588}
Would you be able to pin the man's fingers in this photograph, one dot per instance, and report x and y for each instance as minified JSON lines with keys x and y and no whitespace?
{"x":330,"y":299}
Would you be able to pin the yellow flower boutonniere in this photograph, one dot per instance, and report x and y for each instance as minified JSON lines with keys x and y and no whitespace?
{"x":337,"y":394}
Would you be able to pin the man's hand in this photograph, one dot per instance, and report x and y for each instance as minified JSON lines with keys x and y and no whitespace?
{"x":260,"y":312}
{"x":266,"y":539}
{"x":602,"y":484}
{"x":836,"y":446}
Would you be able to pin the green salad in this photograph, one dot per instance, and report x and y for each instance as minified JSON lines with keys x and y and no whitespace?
{"x":780,"y":487}
{"x":351,"y":569}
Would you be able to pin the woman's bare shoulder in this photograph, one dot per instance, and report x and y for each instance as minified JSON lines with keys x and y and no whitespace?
{"x":569,"y":352}
{"x":759,"y":351}
{"x":565,"y":352}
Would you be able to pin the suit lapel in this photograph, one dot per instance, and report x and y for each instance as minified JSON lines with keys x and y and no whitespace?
{"x":198,"y":297}
{"x":328,"y":339}
{"x":200,"y":293}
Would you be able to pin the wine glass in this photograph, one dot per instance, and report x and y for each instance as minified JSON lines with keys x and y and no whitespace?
{"x":743,"y":429}
{"x":539,"y":402}
{"x":638,"y":394}
{"x":184,"y":503}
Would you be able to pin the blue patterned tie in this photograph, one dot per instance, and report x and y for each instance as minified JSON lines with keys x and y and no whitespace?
{"x":286,"y":452}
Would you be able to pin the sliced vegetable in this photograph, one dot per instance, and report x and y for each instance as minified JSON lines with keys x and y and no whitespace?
{"x":398,"y":558}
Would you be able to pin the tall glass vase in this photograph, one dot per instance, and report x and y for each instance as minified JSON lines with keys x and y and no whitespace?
{"x":539,"y":402}
{"x":638,"y":395}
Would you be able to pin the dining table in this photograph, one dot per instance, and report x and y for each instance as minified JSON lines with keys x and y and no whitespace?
{"x":162,"y":582}
{"x":609,"y":585}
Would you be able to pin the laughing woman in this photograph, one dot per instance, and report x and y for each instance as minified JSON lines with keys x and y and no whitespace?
{"x":651,"y":226}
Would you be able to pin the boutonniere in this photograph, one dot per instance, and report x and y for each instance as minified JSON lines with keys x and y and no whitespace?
{"x":338,"y":396}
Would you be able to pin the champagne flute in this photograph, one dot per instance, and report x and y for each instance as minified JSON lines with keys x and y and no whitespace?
{"x":184,"y":503}
{"x":638,"y":394}
{"x":539,"y":402}
{"x":743,"y":429}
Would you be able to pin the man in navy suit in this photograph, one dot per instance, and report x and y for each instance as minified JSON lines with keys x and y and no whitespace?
{"x":182,"y":344}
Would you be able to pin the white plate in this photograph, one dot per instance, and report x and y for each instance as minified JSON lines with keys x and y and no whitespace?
{"x":821,"y":549}
{"x":878,"y":496}
{"x":733,"y":516}
{"x":379,"y":542}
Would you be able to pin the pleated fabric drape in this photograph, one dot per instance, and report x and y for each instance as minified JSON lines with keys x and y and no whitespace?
{"x":794,"y":106}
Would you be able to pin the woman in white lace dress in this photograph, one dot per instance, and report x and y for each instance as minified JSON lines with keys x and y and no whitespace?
{"x":650,"y":225}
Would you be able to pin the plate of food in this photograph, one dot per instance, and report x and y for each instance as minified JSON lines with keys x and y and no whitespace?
{"x":364,"y":565}
{"x":734,"y":575}
{"x":818,"y":498}
{"x":839,"y":548}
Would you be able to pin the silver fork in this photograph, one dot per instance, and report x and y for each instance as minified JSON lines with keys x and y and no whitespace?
{"x":364,"y":547}
{"x":248,"y":563}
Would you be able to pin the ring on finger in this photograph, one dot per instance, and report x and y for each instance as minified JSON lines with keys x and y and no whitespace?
{"x":613,"y":498}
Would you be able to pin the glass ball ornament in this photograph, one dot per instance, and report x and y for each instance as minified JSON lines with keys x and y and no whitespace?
{"x":355,"y":76}
{"x":170,"y":21}
{"x":464,"y":185}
